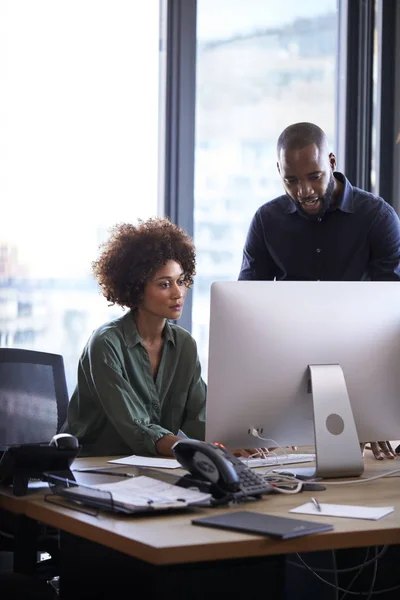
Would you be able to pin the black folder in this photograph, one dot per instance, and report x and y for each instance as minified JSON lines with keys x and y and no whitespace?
{"x":283,"y":528}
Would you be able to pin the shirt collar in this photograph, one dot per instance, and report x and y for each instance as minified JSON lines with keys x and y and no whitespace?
{"x":345,"y":202}
{"x":131,"y":334}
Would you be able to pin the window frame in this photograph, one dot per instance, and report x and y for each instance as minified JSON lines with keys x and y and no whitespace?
{"x":180,"y":100}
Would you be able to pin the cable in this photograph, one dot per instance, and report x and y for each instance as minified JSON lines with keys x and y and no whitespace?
{"x":387,"y":474}
{"x":346,"y":569}
{"x":386,"y":590}
{"x":318,"y":576}
{"x":374,"y":574}
{"x":255,"y":434}
{"x":276,"y":480}
{"x":284,"y":490}
{"x":369,"y":594}
{"x":359,"y":571}
{"x":335,"y":575}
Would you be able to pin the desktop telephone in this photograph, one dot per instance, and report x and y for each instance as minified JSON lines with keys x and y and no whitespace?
{"x":30,"y":461}
{"x":229,"y":477}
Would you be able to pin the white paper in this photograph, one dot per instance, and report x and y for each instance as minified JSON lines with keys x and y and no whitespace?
{"x":344,"y":510}
{"x":148,"y":461}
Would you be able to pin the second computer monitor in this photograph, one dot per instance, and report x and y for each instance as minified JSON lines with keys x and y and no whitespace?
{"x":263,"y":337}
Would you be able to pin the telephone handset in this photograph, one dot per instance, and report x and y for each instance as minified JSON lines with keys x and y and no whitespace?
{"x":229,"y":476}
{"x":22,"y":462}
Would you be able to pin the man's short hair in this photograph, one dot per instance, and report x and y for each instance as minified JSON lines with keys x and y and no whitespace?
{"x":300,"y":135}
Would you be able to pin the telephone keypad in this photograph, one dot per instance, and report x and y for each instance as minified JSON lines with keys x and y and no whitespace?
{"x":251,"y":483}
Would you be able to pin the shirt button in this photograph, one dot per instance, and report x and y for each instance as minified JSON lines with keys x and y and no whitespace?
{"x":319,"y":250}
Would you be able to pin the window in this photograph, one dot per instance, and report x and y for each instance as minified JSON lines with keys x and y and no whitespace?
{"x":260,"y":67}
{"x":79,"y":112}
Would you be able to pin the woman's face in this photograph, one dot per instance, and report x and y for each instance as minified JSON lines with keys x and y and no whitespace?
{"x":164,"y":294}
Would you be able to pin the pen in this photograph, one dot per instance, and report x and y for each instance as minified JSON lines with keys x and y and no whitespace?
{"x":316,"y":504}
{"x":113,"y":473}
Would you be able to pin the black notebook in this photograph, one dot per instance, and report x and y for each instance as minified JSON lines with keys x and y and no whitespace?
{"x":283,"y":528}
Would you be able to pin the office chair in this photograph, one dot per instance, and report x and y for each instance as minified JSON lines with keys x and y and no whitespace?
{"x":33,"y":396}
{"x":33,"y":408}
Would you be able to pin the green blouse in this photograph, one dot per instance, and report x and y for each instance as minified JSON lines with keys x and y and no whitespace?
{"x":117,"y":406}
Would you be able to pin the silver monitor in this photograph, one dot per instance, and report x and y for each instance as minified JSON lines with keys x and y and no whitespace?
{"x":305,"y":363}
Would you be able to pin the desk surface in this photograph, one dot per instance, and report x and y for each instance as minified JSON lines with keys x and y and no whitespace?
{"x":171,"y":539}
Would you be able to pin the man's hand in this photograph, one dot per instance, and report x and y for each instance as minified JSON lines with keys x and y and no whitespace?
{"x":380,"y":450}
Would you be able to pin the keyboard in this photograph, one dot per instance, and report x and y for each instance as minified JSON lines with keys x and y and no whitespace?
{"x":280,"y":459}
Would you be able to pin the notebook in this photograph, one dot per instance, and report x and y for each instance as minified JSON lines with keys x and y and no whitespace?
{"x":283,"y":528}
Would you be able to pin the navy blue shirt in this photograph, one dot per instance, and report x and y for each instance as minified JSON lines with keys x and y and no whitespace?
{"x":357,"y":238}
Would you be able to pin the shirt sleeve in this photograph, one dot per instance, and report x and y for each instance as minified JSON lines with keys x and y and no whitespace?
{"x":257,"y":263}
{"x":194,"y":418}
{"x":384,"y":263}
{"x":121,"y":403}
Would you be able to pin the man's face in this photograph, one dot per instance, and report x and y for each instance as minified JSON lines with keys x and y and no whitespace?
{"x":307,"y":176}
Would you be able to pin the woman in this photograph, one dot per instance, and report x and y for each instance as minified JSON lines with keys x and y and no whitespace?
{"x":139,"y":378}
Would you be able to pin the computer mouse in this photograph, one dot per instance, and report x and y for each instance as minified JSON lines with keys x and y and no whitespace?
{"x":64,"y":441}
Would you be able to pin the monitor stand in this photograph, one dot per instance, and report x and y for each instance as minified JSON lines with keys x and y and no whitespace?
{"x":337,"y":448}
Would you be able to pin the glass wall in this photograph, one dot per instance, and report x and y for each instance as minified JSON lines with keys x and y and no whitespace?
{"x":78,"y":153}
{"x":261,"y":65}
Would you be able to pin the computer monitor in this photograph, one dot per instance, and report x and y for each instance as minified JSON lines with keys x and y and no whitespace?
{"x":305,"y":363}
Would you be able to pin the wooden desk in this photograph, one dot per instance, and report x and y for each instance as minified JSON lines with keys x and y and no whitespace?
{"x":172,"y":540}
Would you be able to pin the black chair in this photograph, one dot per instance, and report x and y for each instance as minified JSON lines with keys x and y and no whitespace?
{"x":33,"y":396}
{"x":33,"y":408}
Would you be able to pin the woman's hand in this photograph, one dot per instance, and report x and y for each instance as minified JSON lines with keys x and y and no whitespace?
{"x":251,"y":452}
{"x":256,"y":452}
{"x":164,"y":444}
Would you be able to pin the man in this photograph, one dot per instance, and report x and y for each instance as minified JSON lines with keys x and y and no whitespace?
{"x":323,"y":228}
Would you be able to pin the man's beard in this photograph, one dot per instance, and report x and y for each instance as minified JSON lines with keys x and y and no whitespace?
{"x":326,"y":200}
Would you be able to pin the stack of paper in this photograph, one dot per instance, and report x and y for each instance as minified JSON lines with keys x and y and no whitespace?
{"x":147,"y":461}
{"x":344,"y":510}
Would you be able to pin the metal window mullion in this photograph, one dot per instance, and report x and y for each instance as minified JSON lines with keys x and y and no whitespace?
{"x":396,"y":116}
{"x":180,"y":94}
{"x":356,"y":34}
{"x":365,"y":93}
{"x":385,"y":117}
